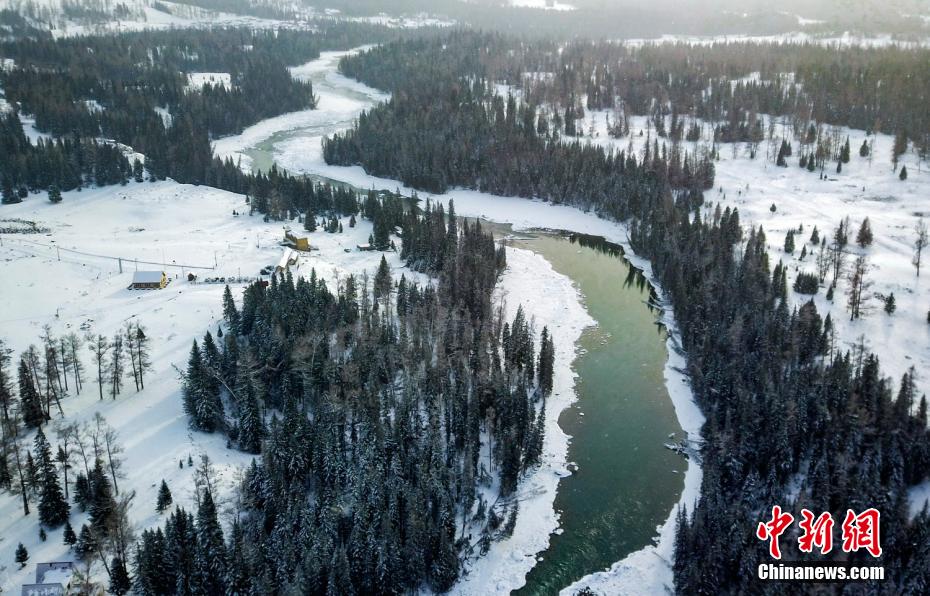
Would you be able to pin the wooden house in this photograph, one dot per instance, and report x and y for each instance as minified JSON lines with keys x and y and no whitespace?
{"x":148,"y":280}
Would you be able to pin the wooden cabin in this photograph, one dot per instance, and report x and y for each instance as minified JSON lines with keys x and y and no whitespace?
{"x":148,"y":280}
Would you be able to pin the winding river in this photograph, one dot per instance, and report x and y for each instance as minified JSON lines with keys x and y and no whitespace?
{"x":625,"y":480}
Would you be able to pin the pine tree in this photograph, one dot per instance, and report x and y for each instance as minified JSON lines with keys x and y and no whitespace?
{"x":69,"y":537}
{"x":53,"y":509}
{"x":164,"y":497}
{"x":210,"y":556}
{"x":201,"y":398}
{"x":903,"y":174}
{"x":119,"y":577}
{"x":86,"y":546}
{"x":29,"y":399}
{"x":54,"y":194}
{"x":864,"y":237}
{"x":251,"y":425}
{"x":864,"y":148}
{"x":789,"y":242}
{"x":382,"y":283}
{"x":890,"y":305}
{"x":22,"y":555}
{"x":102,"y":505}
{"x":229,"y":311}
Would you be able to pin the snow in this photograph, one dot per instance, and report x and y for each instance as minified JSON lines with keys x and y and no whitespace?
{"x":529,"y":274}
{"x":863,"y":189}
{"x":165,"y":115}
{"x":542,"y":4}
{"x":196,"y":80}
{"x":177,"y":226}
{"x":146,"y":277}
{"x":334,"y":111}
{"x":919,"y":497}
{"x":846,"y":39}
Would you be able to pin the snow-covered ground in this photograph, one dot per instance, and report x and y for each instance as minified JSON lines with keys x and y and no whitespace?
{"x":529,"y":274}
{"x":196,"y":80}
{"x":863,"y":189}
{"x":176,"y":226}
{"x":845,"y":40}
{"x":542,"y":4}
{"x":339,"y":102}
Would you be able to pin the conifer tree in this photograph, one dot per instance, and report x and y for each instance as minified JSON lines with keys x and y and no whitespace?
{"x":210,"y":556}
{"x":903,"y":174}
{"x":69,"y":536}
{"x":29,"y":399}
{"x":53,"y":509}
{"x":164,"y":497}
{"x":382,"y":283}
{"x":119,"y":577}
{"x":864,"y":237}
{"x":230,"y":313}
{"x":54,"y":194}
{"x":22,"y":555}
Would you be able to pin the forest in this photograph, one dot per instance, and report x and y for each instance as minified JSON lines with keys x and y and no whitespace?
{"x":782,"y":402}
{"x":392,"y":423}
{"x":86,"y":90}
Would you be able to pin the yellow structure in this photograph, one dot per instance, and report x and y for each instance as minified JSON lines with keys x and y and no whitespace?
{"x":300,"y":243}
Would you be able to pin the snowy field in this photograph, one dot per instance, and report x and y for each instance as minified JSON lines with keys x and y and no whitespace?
{"x":176,"y":226}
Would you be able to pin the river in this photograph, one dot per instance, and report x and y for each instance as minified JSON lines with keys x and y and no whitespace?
{"x":625,"y":481}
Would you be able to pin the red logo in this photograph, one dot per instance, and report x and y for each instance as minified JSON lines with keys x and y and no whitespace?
{"x":860,"y":531}
{"x":774,"y":528}
{"x":817,"y":532}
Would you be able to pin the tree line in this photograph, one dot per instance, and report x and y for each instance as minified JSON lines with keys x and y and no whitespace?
{"x":785,"y":405}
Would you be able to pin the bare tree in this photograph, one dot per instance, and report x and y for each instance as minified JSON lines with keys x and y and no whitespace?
{"x":857,"y":287}
{"x":920,"y":228}
{"x":64,"y":360}
{"x":99,"y":346}
{"x":131,"y":348}
{"x":110,"y":445}
{"x":12,"y":437}
{"x":66,"y":434}
{"x":77,"y":438}
{"x":116,"y":366}
{"x":75,"y":343}
{"x":143,"y":359}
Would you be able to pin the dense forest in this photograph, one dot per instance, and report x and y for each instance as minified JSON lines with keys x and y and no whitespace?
{"x":726,"y":85}
{"x":783,"y":404}
{"x":393,"y":421}
{"x":85,"y":89}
